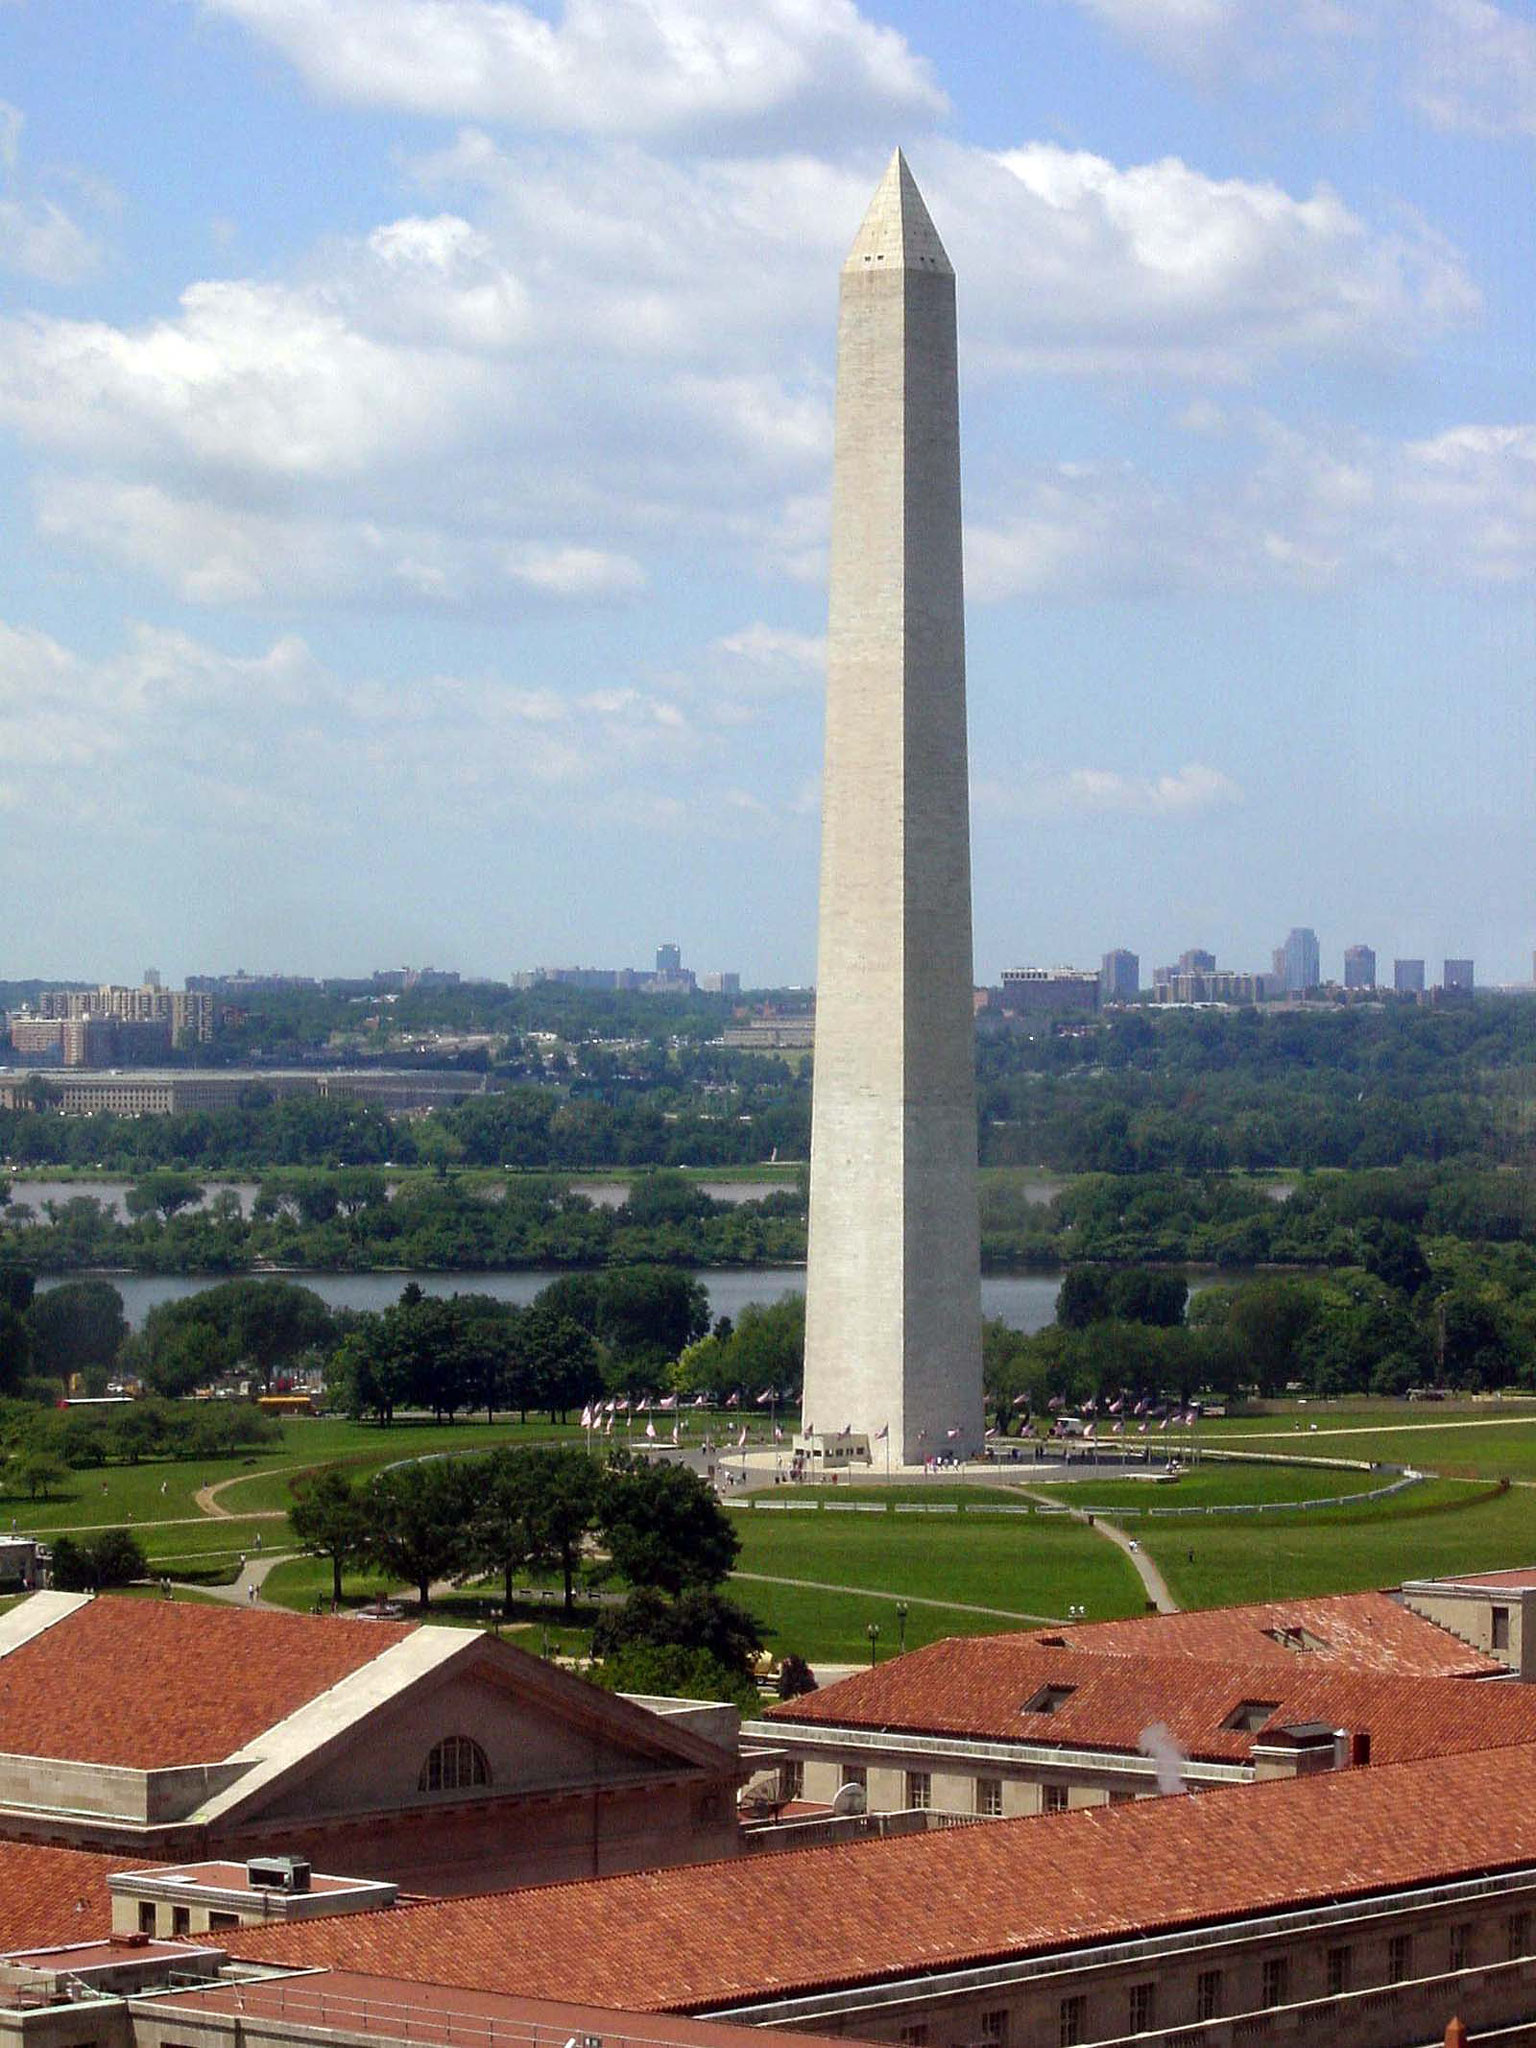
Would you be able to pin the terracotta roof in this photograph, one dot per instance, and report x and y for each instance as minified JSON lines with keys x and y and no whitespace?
{"x":707,"y":1936}
{"x":148,"y":1683}
{"x":1369,"y":1630}
{"x":49,"y":1896}
{"x":982,"y":1687}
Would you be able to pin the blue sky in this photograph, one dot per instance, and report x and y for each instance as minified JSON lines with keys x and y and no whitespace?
{"x":415,"y":429}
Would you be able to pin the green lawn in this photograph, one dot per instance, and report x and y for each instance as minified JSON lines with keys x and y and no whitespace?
{"x":831,"y":1627}
{"x":1022,"y":1564}
{"x":1216,"y":1485}
{"x":1439,"y":1528}
{"x":1480,"y":1449}
{"x":126,"y":1495}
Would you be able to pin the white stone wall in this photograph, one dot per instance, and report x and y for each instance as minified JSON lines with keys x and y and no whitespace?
{"x":893,"y":1290}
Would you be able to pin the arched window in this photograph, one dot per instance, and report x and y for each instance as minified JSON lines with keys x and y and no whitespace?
{"x":453,"y":1765}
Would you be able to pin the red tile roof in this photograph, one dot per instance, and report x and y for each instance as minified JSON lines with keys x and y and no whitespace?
{"x":49,"y":1896}
{"x":148,"y":1683}
{"x":980,"y":1687}
{"x":1368,"y":1630}
{"x":708,"y":1936}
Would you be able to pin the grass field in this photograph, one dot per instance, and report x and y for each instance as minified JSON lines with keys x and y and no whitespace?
{"x":1477,"y":1447}
{"x":816,"y":1580}
{"x":1215,"y":1486}
{"x":1449,"y":1527}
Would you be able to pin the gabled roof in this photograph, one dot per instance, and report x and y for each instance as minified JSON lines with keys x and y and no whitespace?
{"x":49,"y":1896}
{"x":1010,"y":1689}
{"x":146,"y":1684}
{"x":710,"y":1936}
{"x":1371,"y":1631}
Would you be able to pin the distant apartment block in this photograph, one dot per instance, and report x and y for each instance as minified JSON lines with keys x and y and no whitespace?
{"x":1408,"y":977}
{"x":94,"y":1027}
{"x":1359,"y":967}
{"x":1298,"y":963}
{"x":1120,"y":976}
{"x":1458,"y":976}
{"x":1216,"y":985}
{"x":145,"y":1091}
{"x":1049,"y":992}
{"x":671,"y":977}
{"x":1196,"y":960}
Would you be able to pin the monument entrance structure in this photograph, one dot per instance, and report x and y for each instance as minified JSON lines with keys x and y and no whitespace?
{"x":893,"y":1297}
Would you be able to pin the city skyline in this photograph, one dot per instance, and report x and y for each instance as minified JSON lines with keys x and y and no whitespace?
{"x":413,"y":471}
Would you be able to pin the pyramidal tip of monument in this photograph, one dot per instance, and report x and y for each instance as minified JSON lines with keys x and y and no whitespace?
{"x":898,"y":233}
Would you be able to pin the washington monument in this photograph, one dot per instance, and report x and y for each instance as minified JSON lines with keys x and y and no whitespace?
{"x":893,"y":1308}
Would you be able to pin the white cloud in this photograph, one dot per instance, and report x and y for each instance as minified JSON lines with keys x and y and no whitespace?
{"x":1279,"y":508}
{"x":1157,"y":268}
{"x":1180,"y":792}
{"x":213,"y":554}
{"x":604,"y":66}
{"x":570,"y":364}
{"x":774,"y":648}
{"x":39,"y":239}
{"x":251,"y":377}
{"x":171,"y":726}
{"x":1473,"y":67}
{"x":576,"y":572}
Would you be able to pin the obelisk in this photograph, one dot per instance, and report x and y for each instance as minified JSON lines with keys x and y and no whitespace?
{"x":893,"y":1309}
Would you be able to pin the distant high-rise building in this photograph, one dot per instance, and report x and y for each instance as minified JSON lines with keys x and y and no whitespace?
{"x":1458,"y":976}
{"x":1197,"y":961}
{"x":1120,"y":976}
{"x":1298,"y":962}
{"x":1408,"y":977}
{"x":151,"y":977}
{"x":720,"y":983}
{"x":669,"y":959}
{"x":1359,"y":967}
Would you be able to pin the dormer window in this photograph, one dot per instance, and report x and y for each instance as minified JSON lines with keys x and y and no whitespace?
{"x":1250,"y":1716}
{"x":456,"y":1764}
{"x":1048,"y":1699}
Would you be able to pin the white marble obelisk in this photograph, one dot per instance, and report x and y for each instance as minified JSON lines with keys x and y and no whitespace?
{"x":893,"y":1310}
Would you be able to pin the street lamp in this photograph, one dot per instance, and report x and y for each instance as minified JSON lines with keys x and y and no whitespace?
{"x":901,"y":1623}
{"x":872,"y":1630}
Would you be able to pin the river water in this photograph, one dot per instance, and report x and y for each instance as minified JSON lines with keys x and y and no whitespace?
{"x":1027,"y":1301}
{"x":604,"y":1194}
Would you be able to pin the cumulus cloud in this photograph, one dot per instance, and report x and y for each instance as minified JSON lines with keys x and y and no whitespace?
{"x":1176,"y":793}
{"x":39,"y":238}
{"x":603,"y":66}
{"x":1280,"y":508}
{"x":568,"y":366}
{"x":171,"y":725}
{"x":1473,"y":67}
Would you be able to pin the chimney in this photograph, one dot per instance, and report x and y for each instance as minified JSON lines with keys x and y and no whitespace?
{"x":1456,"y":2034}
{"x":1360,"y":1750}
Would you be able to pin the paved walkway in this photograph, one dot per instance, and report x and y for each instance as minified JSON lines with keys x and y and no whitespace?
{"x":246,"y":1590}
{"x":1146,"y":1570}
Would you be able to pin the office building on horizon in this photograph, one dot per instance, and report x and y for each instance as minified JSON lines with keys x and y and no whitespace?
{"x":1120,"y":976}
{"x":1458,"y":979}
{"x":1408,"y":977}
{"x":1298,"y":963}
{"x":1359,"y":967}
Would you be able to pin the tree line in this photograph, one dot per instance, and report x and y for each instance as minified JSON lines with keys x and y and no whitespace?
{"x":654,"y":1528}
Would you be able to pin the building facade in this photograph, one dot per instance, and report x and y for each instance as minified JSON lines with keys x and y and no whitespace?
{"x":1359,"y":967}
{"x":1120,"y":976}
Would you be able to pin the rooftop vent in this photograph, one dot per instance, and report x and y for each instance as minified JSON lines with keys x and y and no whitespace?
{"x":277,"y":1874}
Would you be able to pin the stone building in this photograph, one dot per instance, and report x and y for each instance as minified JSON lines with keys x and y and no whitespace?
{"x":437,"y":1758}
